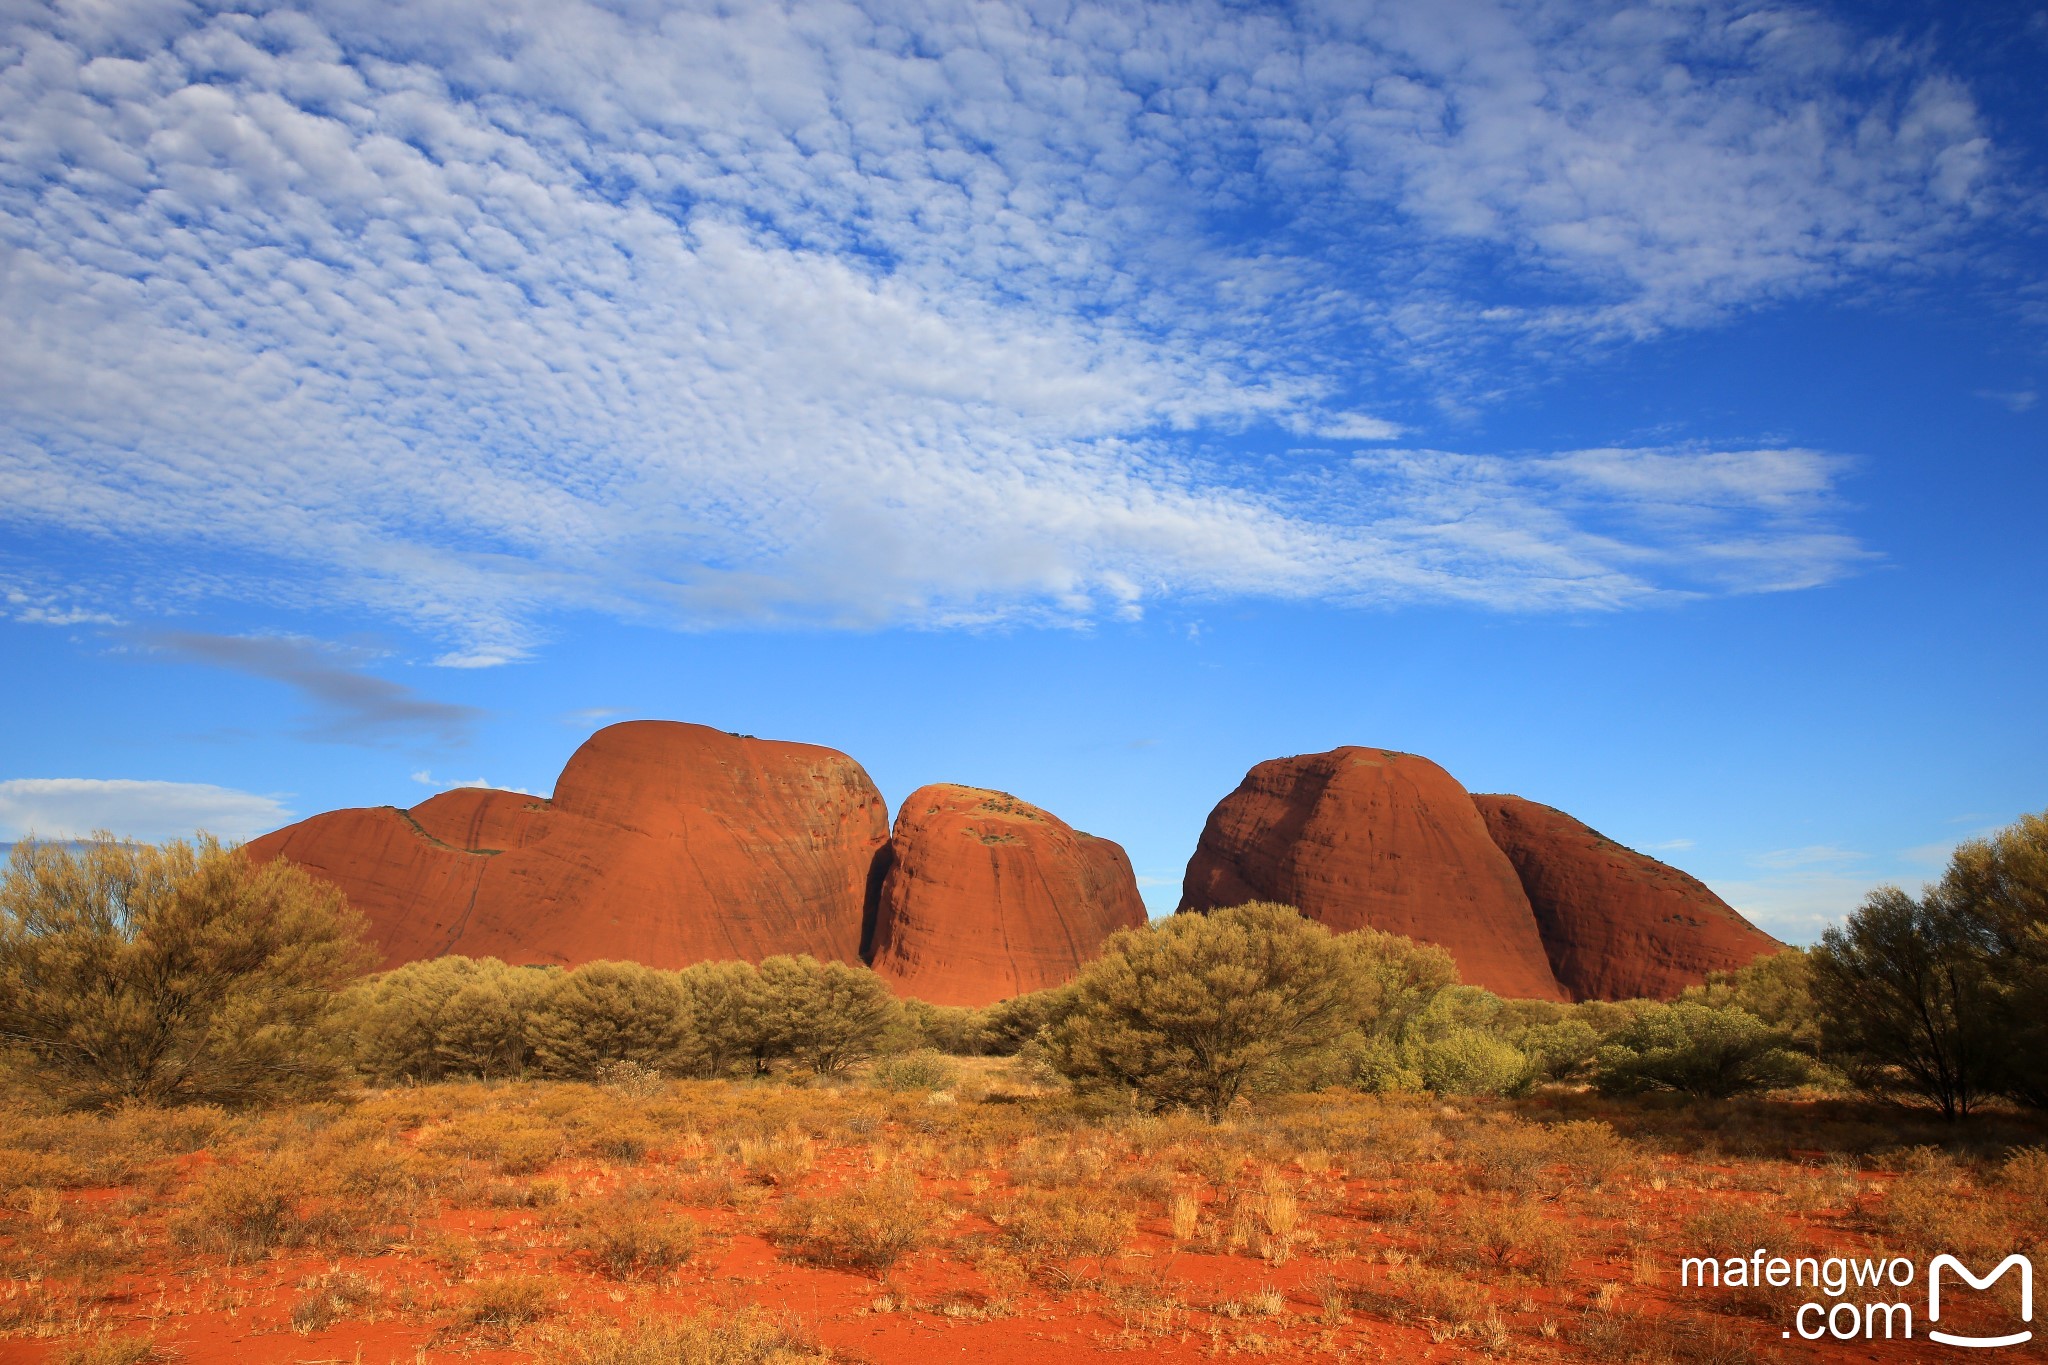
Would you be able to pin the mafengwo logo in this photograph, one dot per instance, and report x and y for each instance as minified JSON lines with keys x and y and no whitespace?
{"x":1880,"y":1311}
{"x":2012,"y":1262}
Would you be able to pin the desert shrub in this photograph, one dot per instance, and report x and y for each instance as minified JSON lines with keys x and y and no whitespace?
{"x":482,"y":1029}
{"x":1935,"y":1210}
{"x":171,"y":975}
{"x":1008,"y":1025}
{"x":444,"y":1017}
{"x":1711,"y":1052}
{"x":382,"y":1183}
{"x":1047,"y":1228}
{"x":69,"y":1241}
{"x":1908,"y":1003}
{"x":514,"y":1144}
{"x":1382,"y":1066}
{"x":607,"y":1012}
{"x":634,"y":1080}
{"x":781,"y":1160}
{"x":722,"y":1006}
{"x":750,"y":1336}
{"x":1397,"y":980}
{"x":1472,"y":1061}
{"x":1054,"y":1163}
{"x":2025,"y":1172}
{"x":1455,"y":1042}
{"x":1776,"y":988}
{"x":496,"y":1308}
{"x":75,"y":1150}
{"x":1593,"y":1152}
{"x":327,"y":1299}
{"x":250,"y":1207}
{"x":629,"y":1237}
{"x":1513,"y":1157}
{"x":1999,"y":887}
{"x":869,"y":1226}
{"x":1516,"y":1236}
{"x":1623,"y":1334}
{"x":1203,"y":1008}
{"x":1417,"y":1291}
{"x":924,"y":1069}
{"x":109,"y":1350}
{"x":1558,"y":1049}
{"x":1728,"y":1229}
{"x":1278,"y":1213}
{"x":952,"y":1029}
{"x":823,"y":1015}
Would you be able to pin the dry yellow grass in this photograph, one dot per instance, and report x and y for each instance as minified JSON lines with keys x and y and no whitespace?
{"x":1491,"y":1225}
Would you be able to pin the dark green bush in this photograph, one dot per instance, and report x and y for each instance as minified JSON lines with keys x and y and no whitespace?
{"x":608,"y":1012}
{"x":823,"y":1015}
{"x":1203,"y":1008}
{"x":1701,"y":1050}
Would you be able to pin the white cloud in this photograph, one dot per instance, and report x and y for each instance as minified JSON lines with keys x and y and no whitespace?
{"x":1345,"y":426}
{"x":77,"y":807}
{"x":1813,"y":855}
{"x":46,"y":609}
{"x":906,"y":312}
{"x":2012,"y":400}
{"x":1797,"y":905}
{"x":427,"y":779}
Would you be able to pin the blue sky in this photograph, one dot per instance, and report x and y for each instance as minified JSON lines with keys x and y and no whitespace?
{"x":1633,"y":406}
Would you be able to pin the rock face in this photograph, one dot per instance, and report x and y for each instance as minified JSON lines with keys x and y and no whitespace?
{"x":664,"y":843}
{"x":1617,"y":924}
{"x":987,"y":897}
{"x":1360,"y":838}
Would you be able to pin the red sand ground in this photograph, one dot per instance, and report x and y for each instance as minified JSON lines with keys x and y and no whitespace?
{"x":1339,"y":1289}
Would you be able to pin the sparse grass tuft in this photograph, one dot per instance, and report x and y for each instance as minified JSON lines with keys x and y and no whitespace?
{"x":628,"y":1237}
{"x":329,"y":1298}
{"x":869,"y":1226}
{"x":1047,"y":1230}
{"x":496,"y":1308}
{"x":750,"y":1336}
{"x":109,"y":1350}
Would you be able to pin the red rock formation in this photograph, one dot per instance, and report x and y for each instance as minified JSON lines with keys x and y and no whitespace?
{"x":665,"y":843}
{"x":1369,"y":837}
{"x":987,"y":897}
{"x":1618,"y":925}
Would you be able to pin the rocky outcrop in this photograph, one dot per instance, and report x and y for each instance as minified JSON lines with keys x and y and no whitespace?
{"x":664,"y":843}
{"x":987,"y":897}
{"x":1358,"y":838}
{"x":1617,"y":924}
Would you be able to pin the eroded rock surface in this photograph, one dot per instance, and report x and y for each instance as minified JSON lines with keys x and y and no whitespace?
{"x":664,"y":843}
{"x":1617,"y":924}
{"x":987,"y":897}
{"x":1358,"y":838}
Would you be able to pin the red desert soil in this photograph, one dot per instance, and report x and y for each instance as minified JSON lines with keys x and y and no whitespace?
{"x":1618,"y":925}
{"x":1369,"y":838}
{"x":501,"y":1222}
{"x":987,"y":897}
{"x":665,"y":843}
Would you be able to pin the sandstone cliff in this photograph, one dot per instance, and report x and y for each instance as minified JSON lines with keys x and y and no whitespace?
{"x":664,"y":843}
{"x":1369,"y":837}
{"x":987,"y":897}
{"x":1617,"y":924}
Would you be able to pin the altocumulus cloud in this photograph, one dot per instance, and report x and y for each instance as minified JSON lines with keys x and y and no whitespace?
{"x":899,"y":312}
{"x":78,"y":807}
